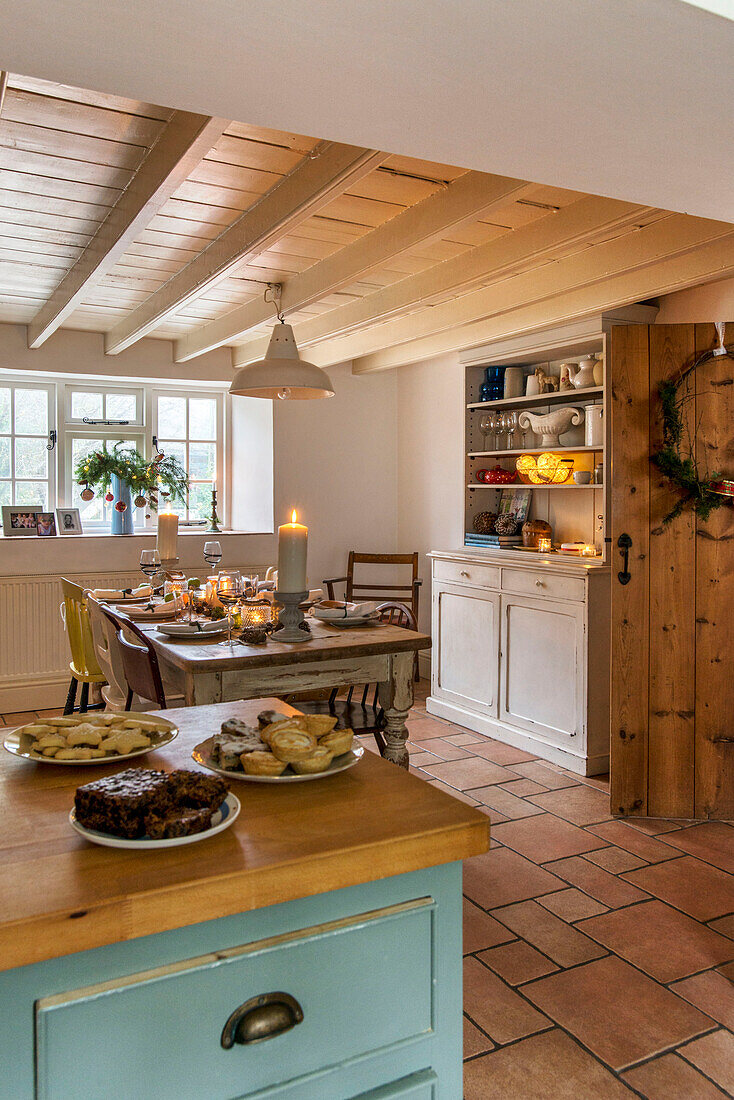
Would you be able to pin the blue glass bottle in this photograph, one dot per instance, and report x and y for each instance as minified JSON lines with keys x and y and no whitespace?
{"x":493,"y":386}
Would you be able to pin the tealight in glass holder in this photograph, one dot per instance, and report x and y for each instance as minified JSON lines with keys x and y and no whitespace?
{"x":256,"y":613}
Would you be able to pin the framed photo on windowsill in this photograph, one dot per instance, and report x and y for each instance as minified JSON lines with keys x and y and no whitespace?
{"x":68,"y":521}
{"x":18,"y":520}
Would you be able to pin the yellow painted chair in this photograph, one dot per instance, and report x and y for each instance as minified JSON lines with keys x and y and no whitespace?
{"x":84,"y":666}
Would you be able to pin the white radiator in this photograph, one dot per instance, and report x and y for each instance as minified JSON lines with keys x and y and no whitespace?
{"x":34,"y":649}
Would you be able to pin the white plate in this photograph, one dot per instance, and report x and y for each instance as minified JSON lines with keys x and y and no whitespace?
{"x":186,"y":630}
{"x":160,"y":612}
{"x":122,"y":599}
{"x":202,"y":756}
{"x":364,"y":621}
{"x":19,"y":744}
{"x":222,"y":819}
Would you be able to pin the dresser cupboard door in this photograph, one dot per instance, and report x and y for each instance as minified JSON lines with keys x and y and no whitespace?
{"x":466,"y":645}
{"x":543,"y":663}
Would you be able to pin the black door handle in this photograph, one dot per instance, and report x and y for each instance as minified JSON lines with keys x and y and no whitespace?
{"x":624,"y":542}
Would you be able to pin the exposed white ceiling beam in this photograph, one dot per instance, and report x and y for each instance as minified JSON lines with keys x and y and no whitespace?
{"x":464,"y":200}
{"x":318,"y":179}
{"x":570,"y":229}
{"x":3,"y":87}
{"x":184,"y":142}
{"x":713,"y":260}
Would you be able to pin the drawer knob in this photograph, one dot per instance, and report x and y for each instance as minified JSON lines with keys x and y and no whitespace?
{"x":540,"y":584}
{"x":463,"y":573}
{"x":262,"y":1017}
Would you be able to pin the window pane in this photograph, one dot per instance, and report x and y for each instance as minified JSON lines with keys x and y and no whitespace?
{"x":31,"y":458}
{"x":202,"y":418}
{"x":32,"y":493}
{"x":172,"y":417}
{"x":5,"y":470}
{"x":122,"y":406}
{"x":173,"y":450}
{"x":202,"y":461}
{"x":31,"y":412}
{"x":91,"y":511}
{"x":80,"y":448}
{"x":6,"y":492}
{"x":200,"y":500}
{"x":87,"y":404}
{"x":4,"y":410}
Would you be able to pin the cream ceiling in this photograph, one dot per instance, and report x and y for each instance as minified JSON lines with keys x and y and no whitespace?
{"x":132,"y":219}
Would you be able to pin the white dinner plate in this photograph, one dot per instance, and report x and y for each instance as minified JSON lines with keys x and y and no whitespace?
{"x":19,"y":743}
{"x":364,"y":621}
{"x":222,"y":819}
{"x":189,"y":630}
{"x":202,"y":755}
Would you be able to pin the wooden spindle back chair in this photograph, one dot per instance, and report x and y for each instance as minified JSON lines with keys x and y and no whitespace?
{"x":364,"y":715}
{"x":355,"y":591}
{"x":139,"y":662}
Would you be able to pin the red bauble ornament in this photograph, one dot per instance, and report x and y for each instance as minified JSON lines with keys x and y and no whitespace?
{"x":86,"y":494}
{"x":121,"y":506}
{"x":109,"y":497}
{"x":140,"y":502}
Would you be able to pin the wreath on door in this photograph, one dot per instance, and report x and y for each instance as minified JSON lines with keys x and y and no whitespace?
{"x":700,"y":490}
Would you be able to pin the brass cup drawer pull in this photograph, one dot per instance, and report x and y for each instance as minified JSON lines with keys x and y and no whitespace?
{"x":262,"y":1017}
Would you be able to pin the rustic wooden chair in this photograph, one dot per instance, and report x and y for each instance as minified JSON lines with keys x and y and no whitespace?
{"x":84,"y":666}
{"x":364,"y":715}
{"x":139,"y":662}
{"x":406,"y":593}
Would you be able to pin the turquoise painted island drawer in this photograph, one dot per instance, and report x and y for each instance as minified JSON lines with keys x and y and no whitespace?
{"x":364,"y":985}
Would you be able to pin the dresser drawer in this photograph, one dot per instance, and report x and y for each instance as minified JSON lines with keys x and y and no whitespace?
{"x":531,"y":582}
{"x":487,"y":576}
{"x":363,"y":983}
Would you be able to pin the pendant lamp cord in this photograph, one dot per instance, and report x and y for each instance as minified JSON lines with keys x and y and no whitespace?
{"x":272,"y":296}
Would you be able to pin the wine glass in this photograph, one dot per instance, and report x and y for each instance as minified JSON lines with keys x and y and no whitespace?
{"x":501,"y":429}
{"x":511,"y":427}
{"x":485,"y":426}
{"x":230,"y":591}
{"x":212,"y":553}
{"x":251,"y":584}
{"x":150,"y":564}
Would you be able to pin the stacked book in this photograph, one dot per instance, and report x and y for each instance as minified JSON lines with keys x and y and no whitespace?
{"x":472,"y":539}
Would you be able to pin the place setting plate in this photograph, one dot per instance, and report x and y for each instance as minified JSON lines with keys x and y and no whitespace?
{"x":18,"y":743}
{"x":202,"y":756}
{"x":186,"y":632}
{"x":221,"y":820}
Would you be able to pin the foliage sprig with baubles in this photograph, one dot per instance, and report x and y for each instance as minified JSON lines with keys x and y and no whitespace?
{"x":146,"y":477}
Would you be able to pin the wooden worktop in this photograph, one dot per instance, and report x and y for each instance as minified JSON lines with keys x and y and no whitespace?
{"x":325,"y":644}
{"x":60,"y":894}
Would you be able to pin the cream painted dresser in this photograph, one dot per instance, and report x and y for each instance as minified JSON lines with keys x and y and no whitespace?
{"x":521,"y":652}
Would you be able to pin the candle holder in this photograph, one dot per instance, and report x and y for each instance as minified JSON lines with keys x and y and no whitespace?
{"x":291,"y":616}
{"x":256,"y":613}
{"x":213,"y":528}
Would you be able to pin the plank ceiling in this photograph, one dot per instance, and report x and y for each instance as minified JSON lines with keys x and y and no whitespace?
{"x":68,"y":157}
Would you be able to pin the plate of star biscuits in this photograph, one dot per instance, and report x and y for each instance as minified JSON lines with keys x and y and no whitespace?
{"x":280,"y":749}
{"x":91,"y":738}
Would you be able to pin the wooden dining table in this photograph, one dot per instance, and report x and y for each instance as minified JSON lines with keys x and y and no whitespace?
{"x":212,"y":672}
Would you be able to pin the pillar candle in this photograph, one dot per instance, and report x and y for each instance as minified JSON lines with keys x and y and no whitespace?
{"x":167,"y":541}
{"x":292,"y":549}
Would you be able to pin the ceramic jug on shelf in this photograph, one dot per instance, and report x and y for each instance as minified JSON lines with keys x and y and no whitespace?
{"x":584,"y":376}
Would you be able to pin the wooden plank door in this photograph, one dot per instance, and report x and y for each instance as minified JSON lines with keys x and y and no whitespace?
{"x":672,"y":729}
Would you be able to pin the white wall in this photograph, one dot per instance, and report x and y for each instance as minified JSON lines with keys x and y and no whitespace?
{"x":335,"y":461}
{"x":430,"y":462}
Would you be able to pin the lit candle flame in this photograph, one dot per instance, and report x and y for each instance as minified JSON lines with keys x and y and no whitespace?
{"x":294,"y":517}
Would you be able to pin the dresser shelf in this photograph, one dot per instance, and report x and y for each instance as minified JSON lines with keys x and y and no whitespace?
{"x":570,"y":397}
{"x":534,"y":451}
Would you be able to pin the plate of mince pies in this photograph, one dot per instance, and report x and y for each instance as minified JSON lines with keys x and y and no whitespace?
{"x":280,"y":749}
{"x":91,"y":738}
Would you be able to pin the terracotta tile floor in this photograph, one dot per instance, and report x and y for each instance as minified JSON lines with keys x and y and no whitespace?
{"x":599,"y":954}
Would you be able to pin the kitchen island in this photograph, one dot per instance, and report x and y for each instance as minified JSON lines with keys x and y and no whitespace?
{"x":341,"y":897}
